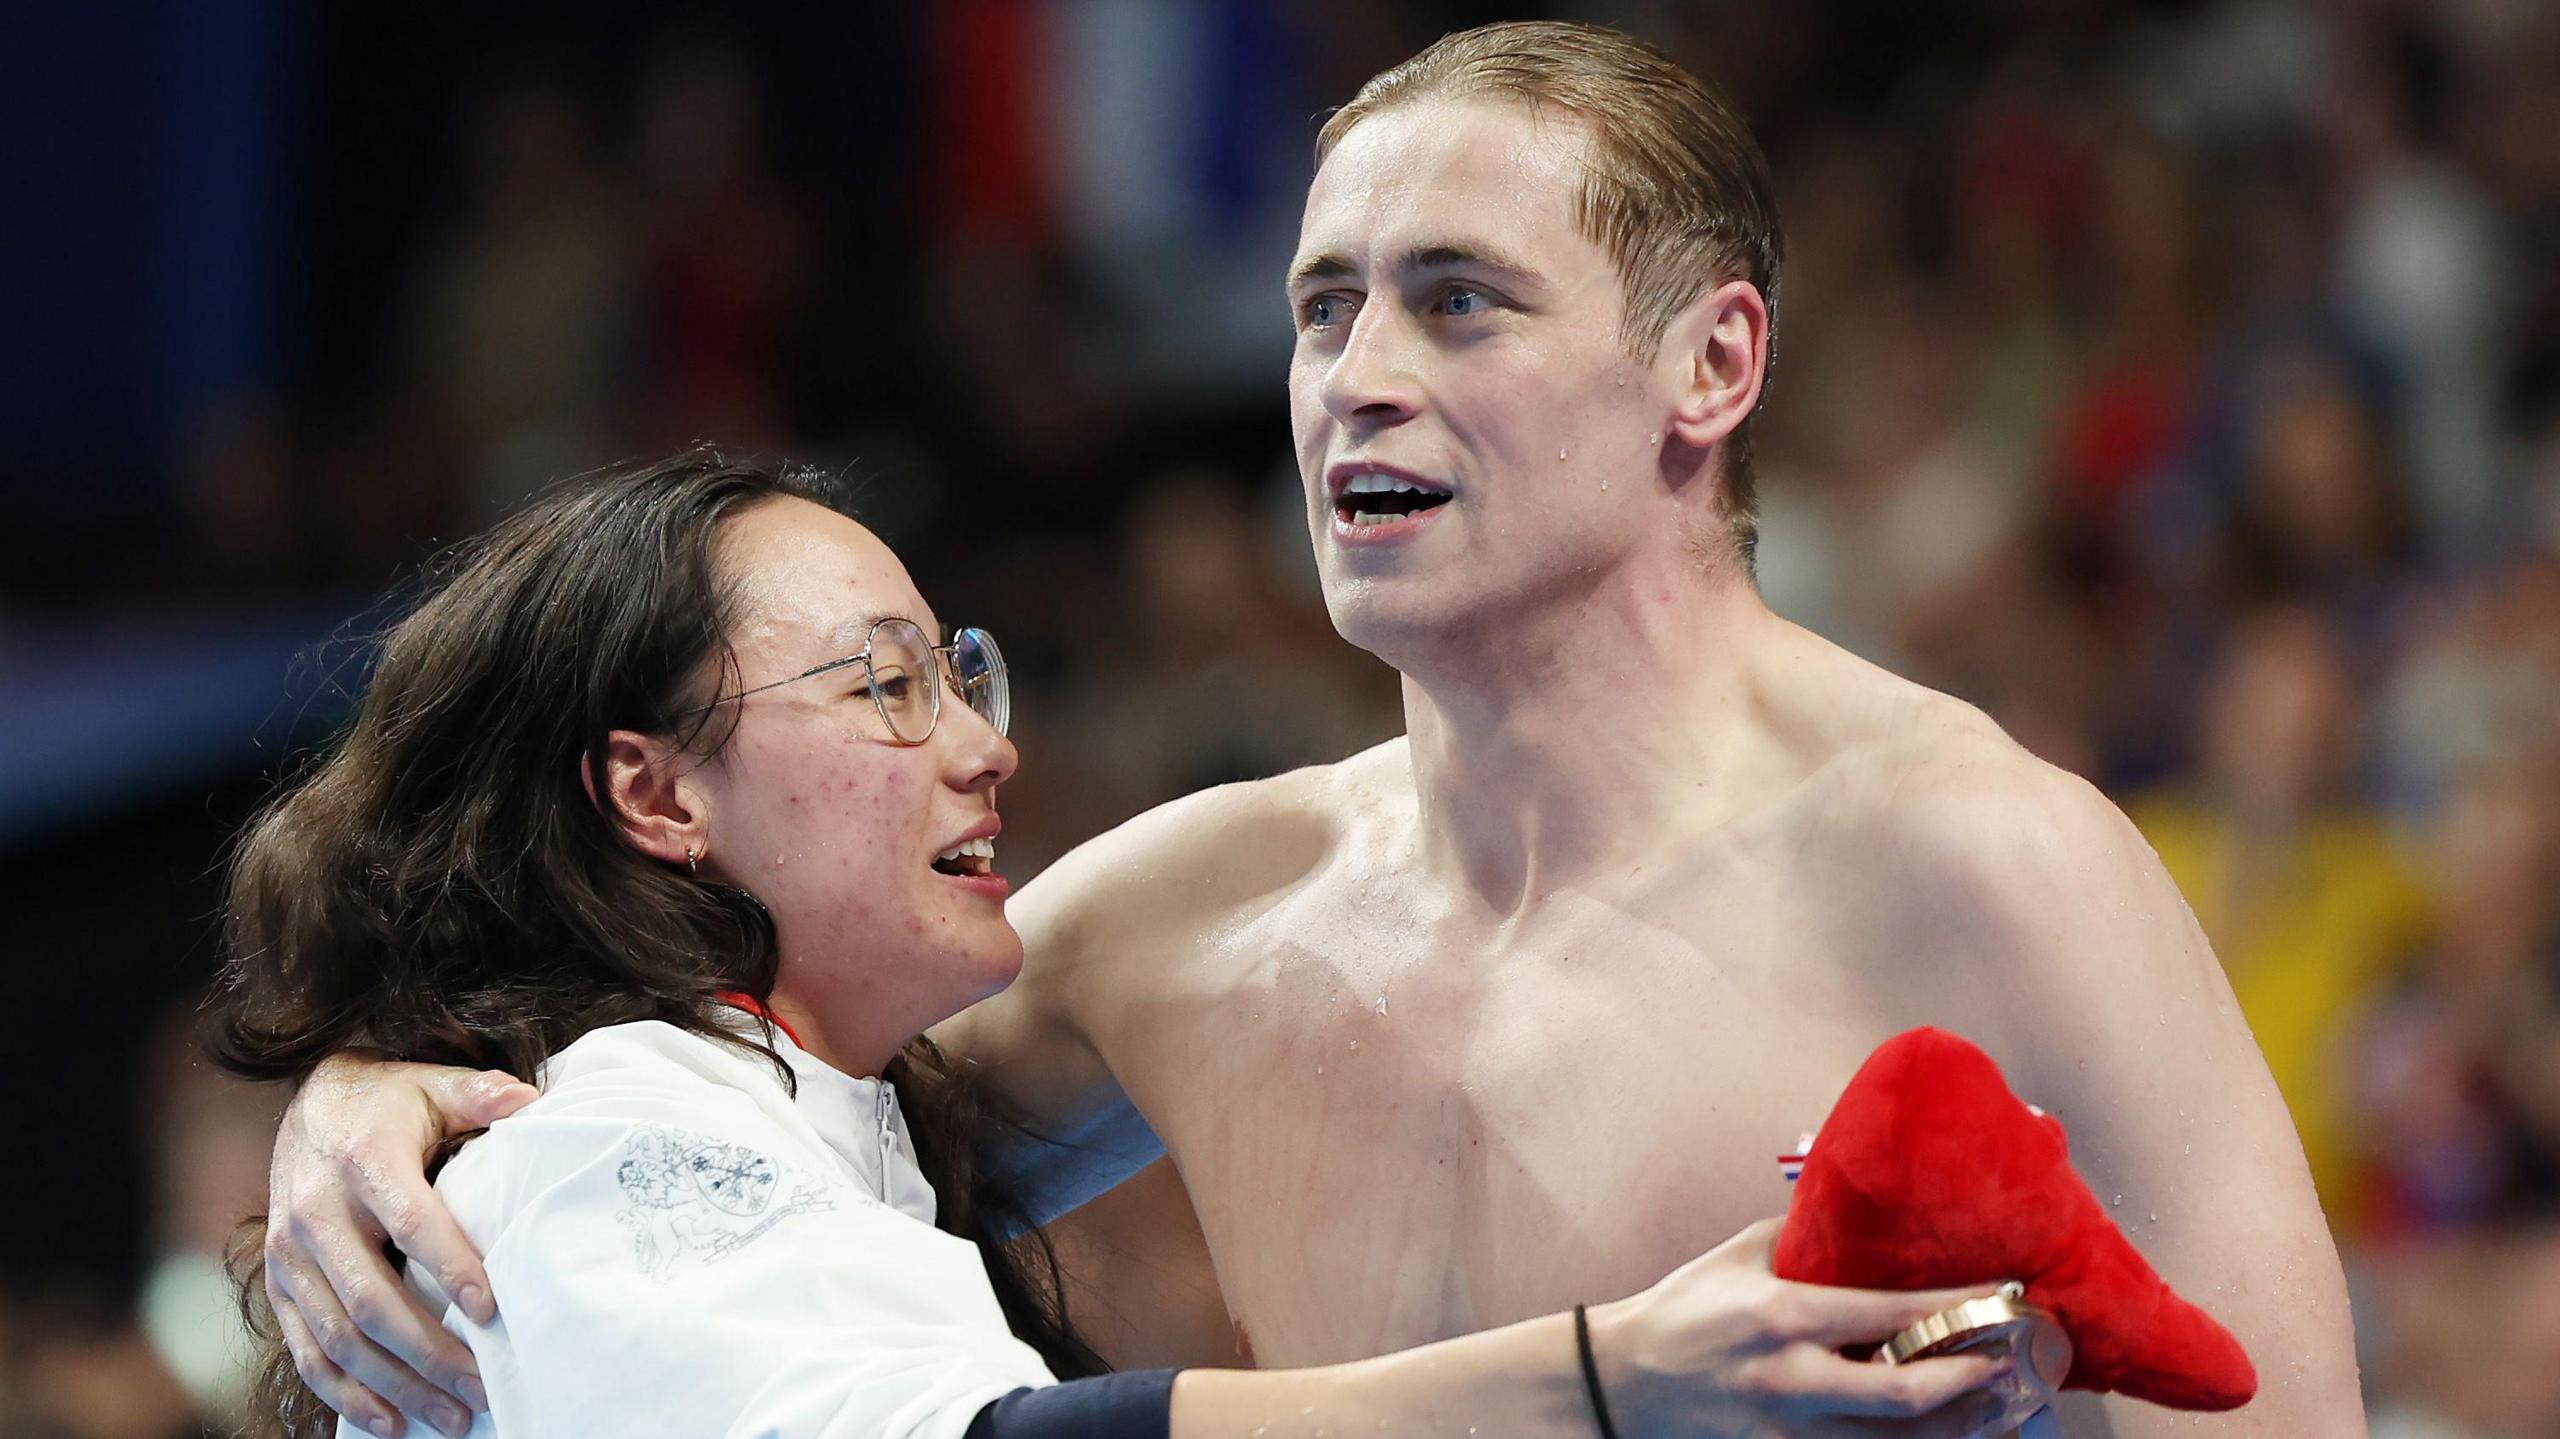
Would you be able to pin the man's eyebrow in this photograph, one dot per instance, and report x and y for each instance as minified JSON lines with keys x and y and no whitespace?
{"x":1458,"y":254}
{"x":1320,"y":267}
{"x":1431,"y":255}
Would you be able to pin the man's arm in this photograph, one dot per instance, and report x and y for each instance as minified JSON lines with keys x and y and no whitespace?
{"x":1031,"y":1046}
{"x":2105,"y":1004}
{"x":1108,"y":932}
{"x":349,"y":1175}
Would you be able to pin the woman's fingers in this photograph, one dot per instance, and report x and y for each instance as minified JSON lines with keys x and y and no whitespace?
{"x":1837,"y":1318}
{"x":1945,"y":1398}
{"x":1928,"y":1387}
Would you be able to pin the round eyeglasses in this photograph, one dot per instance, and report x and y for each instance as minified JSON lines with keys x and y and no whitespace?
{"x":906,"y":673}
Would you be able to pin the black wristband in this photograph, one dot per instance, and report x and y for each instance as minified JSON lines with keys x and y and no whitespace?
{"x":1591,"y":1374}
{"x":1132,"y":1405}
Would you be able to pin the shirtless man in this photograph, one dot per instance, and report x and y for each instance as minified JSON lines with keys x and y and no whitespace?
{"x":1515,"y":1011}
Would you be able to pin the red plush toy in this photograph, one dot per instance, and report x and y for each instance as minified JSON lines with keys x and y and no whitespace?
{"x":1930,"y":1174}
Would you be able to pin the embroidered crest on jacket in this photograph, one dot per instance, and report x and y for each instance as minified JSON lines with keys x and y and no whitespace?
{"x":699,"y":1200}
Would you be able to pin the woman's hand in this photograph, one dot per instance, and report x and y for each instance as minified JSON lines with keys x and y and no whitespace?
{"x":1723,"y":1347}
{"x":350,"y":1174}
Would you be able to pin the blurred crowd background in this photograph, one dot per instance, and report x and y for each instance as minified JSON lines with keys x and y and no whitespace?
{"x":2180,"y":382}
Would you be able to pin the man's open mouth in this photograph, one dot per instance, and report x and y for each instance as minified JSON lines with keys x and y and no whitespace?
{"x":1375,"y":499}
{"x":972,"y":858}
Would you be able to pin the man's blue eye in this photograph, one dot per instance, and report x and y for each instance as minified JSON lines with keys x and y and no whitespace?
{"x":1324,"y":311}
{"x":1463,"y":301}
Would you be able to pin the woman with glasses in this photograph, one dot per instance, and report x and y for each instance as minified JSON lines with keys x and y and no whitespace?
{"x":674,"y":793}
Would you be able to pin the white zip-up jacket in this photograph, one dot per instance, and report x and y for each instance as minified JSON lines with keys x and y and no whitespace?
{"x":679,"y":1247}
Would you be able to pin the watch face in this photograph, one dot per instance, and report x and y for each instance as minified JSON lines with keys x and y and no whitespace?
{"x":1995,"y":1326}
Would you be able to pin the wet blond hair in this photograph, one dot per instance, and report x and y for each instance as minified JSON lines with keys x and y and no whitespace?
{"x":1677,"y":191}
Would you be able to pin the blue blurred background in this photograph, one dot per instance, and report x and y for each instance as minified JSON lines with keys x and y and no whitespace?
{"x":2178,"y":381}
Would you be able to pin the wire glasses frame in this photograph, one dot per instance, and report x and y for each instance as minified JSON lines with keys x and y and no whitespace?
{"x":970,"y":664}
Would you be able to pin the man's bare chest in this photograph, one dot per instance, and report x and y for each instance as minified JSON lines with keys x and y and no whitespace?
{"x":1390,"y":1137}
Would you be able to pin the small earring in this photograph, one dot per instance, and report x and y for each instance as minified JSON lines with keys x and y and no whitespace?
{"x":693,"y":859}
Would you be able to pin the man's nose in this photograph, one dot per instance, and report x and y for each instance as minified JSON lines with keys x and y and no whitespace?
{"x":1373,"y":382}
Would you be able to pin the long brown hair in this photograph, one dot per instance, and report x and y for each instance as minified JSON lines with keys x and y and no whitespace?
{"x":441,"y":887}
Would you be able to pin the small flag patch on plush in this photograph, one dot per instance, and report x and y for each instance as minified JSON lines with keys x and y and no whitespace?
{"x":1792,"y":1165}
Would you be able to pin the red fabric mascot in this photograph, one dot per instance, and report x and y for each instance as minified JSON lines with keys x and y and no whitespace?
{"x":1930,"y":1174}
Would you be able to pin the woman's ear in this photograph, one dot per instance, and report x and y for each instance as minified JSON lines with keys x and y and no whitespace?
{"x":1719,"y":351}
{"x":651,"y":798}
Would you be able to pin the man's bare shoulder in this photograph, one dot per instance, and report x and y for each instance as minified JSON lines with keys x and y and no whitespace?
{"x":1945,"y":826}
{"x":1943,"y":792}
{"x":1202,"y":859}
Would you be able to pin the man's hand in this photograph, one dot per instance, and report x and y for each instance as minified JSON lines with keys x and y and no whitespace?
{"x":1725,"y":1347}
{"x":349,"y":1174}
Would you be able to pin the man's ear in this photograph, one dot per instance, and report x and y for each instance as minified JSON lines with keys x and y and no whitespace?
{"x":1717,"y":352}
{"x":651,"y":798}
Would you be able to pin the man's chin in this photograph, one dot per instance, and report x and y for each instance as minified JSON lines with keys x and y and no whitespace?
{"x":1393,"y":619}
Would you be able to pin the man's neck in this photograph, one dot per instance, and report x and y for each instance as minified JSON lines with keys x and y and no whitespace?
{"x":1568,"y":748}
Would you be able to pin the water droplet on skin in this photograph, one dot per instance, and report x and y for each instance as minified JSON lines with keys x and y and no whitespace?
{"x":1355,"y":1044}
{"x":1654,"y":439}
{"x":1604,"y":483}
{"x":1559,"y":452}
{"x":780,"y":860}
{"x":1382,"y":1004}
{"x":2155,"y":1218}
{"x":2119,"y":1200}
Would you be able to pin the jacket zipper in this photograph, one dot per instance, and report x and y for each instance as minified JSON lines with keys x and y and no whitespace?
{"x":887,"y":1144}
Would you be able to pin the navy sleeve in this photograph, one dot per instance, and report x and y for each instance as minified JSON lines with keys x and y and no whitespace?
{"x":1137,"y":1405}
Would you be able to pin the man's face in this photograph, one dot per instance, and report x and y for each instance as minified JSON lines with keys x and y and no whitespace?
{"x":1457,"y":334}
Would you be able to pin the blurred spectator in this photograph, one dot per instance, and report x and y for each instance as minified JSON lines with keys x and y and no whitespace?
{"x":520,"y":315}
{"x":209,"y":1135}
{"x":177,"y":1363}
{"x":2317,"y":519}
{"x":2423,"y":268}
{"x":2477,"y":689}
{"x":76,"y":1374}
{"x":1214,"y":674}
{"x":2458,"y":1077}
{"x":2462,"y":1339}
{"x":730,"y":249}
{"x":2300,"y":886}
